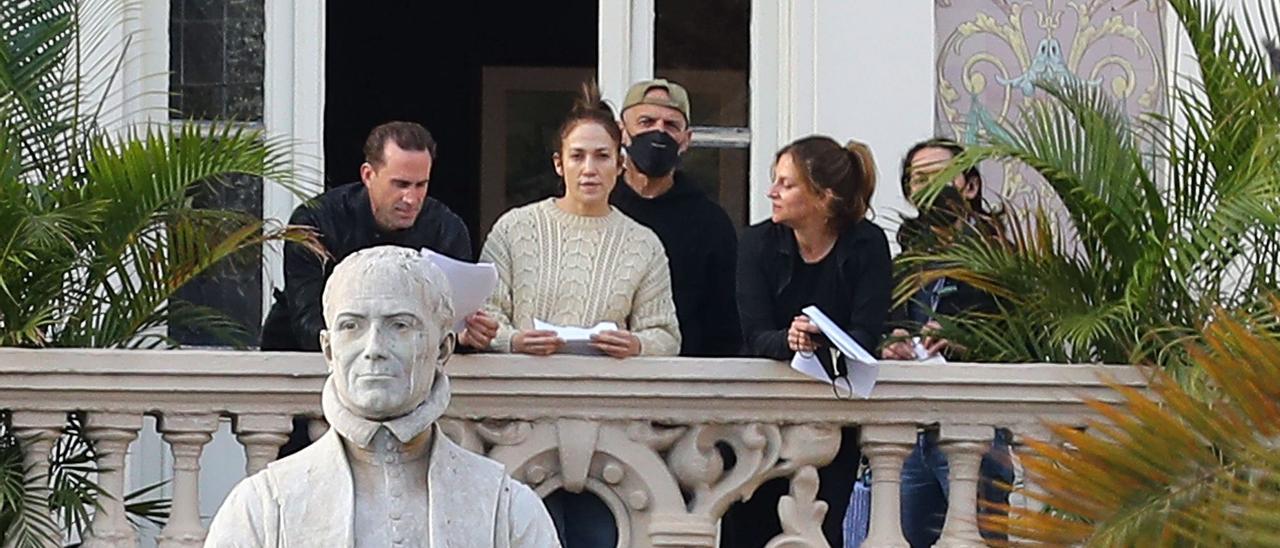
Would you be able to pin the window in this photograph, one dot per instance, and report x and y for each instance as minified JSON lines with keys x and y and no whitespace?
{"x":705,"y":46}
{"x":216,"y":65}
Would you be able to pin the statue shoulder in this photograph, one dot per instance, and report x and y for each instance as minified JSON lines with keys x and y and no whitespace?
{"x":248,"y":516}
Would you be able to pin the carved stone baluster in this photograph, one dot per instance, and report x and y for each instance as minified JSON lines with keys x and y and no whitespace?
{"x":1026,"y":495}
{"x":187,"y":435}
{"x":38,"y":431}
{"x":111,"y":434}
{"x":886,"y":447}
{"x":261,"y":436}
{"x":801,"y":513}
{"x":964,"y":446}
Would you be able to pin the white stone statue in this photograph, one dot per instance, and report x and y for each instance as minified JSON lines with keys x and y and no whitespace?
{"x":384,"y":474}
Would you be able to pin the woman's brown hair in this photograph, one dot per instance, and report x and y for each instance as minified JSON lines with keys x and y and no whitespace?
{"x":590,"y":108}
{"x":849,"y":172}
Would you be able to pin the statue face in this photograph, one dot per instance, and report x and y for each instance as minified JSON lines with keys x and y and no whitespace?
{"x":382,"y":350}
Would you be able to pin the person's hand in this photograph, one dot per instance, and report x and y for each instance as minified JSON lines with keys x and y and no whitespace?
{"x":617,"y":343}
{"x":539,"y":342}
{"x":479,"y":331}
{"x":900,"y":349}
{"x":933,"y":344}
{"x":798,"y":334}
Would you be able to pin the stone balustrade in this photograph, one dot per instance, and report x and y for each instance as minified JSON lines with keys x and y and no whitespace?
{"x":641,"y":434}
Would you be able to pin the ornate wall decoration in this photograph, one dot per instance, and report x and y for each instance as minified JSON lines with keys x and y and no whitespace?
{"x":991,"y":52}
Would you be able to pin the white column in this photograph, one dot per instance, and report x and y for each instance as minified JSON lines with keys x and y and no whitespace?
{"x":187,"y":436}
{"x":292,"y":110}
{"x":884,"y":100}
{"x":111,"y":435}
{"x":37,"y":431}
{"x":625,"y":46}
{"x":262,"y":436}
{"x":1030,"y":492}
{"x":783,"y":93}
{"x":886,"y":447}
{"x":964,"y":446}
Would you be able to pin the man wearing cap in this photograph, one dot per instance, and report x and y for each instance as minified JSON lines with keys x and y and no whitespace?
{"x":700,"y":241}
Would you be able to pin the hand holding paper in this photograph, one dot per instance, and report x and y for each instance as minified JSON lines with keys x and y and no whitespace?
{"x":577,"y":339}
{"x":862,"y":367}
{"x":471,"y":284}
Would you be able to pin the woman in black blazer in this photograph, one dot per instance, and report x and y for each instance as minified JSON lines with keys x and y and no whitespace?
{"x":817,"y":248}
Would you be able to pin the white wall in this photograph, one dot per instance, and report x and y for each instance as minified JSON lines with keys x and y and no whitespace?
{"x":875,"y":83}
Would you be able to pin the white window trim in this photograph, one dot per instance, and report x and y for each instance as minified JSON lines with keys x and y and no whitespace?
{"x":625,"y":38}
{"x":782,"y":91}
{"x":293,"y":110}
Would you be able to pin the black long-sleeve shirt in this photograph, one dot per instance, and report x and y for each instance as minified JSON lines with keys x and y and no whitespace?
{"x":702,"y":249}
{"x":344,"y":218}
{"x":855,"y":290}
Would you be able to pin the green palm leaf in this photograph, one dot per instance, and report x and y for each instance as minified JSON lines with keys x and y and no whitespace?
{"x":99,"y":229}
{"x":1169,"y":467}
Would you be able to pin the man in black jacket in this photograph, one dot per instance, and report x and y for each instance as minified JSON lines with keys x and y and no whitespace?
{"x":701,"y":244}
{"x":389,"y":207}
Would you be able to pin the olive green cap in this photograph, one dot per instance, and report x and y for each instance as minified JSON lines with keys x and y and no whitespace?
{"x":679,"y":98}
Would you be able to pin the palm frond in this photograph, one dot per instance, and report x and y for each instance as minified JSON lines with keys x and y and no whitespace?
{"x":1168,"y":467}
{"x":1148,"y":225}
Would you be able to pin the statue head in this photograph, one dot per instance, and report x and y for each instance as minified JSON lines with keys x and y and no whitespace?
{"x":389,"y":315}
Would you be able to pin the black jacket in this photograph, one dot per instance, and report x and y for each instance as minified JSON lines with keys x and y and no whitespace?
{"x":768,"y":256}
{"x":344,"y":219}
{"x":953,"y":298}
{"x":948,"y":298}
{"x":702,"y":249}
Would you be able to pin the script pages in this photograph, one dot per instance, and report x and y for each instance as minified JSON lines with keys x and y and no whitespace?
{"x":863,"y":368}
{"x":470,"y":284}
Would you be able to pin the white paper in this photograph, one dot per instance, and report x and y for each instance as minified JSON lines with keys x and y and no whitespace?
{"x":922,"y":354}
{"x":863,"y":368}
{"x":577,"y":340}
{"x":470,"y":284}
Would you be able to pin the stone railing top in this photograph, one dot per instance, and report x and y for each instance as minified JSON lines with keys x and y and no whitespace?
{"x":506,"y":386}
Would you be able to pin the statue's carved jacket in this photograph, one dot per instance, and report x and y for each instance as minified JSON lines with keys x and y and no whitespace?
{"x":307,"y":499}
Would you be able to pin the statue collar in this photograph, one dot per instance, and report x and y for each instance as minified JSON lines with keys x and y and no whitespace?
{"x":360,"y":430}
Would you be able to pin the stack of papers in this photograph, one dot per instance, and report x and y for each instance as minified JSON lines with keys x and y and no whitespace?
{"x":577,"y":340}
{"x":470,"y":284}
{"x":863,"y":368}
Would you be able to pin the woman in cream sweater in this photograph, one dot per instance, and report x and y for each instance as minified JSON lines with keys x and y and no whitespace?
{"x":576,"y":261}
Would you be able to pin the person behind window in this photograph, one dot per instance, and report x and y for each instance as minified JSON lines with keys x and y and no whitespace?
{"x":577,"y":261}
{"x":817,"y":248}
{"x":699,"y":237}
{"x":958,"y":207}
{"x":389,"y":205}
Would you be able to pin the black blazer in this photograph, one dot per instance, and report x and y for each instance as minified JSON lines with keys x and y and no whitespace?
{"x":766,"y":258}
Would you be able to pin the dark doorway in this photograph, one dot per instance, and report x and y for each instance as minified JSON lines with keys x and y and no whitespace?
{"x":424,"y":62}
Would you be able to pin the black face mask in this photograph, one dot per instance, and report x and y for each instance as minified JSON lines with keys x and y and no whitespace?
{"x":947,"y":209}
{"x":654,"y":153}
{"x":935,"y":222}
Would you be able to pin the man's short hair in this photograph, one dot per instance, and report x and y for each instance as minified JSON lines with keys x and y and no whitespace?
{"x":406,"y":135}
{"x":413,"y":275}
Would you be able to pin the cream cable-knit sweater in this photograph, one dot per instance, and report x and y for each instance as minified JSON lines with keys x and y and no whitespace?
{"x":577,"y":271}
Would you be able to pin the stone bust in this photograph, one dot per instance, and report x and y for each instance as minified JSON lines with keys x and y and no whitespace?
{"x":384,"y":474}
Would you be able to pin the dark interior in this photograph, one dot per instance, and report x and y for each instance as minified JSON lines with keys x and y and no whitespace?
{"x":422,"y":61}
